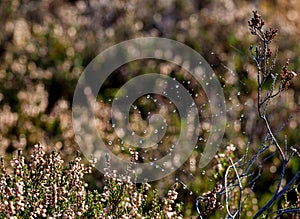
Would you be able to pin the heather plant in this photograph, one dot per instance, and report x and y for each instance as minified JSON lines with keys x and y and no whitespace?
{"x":238,"y":178}
{"x":46,"y":188}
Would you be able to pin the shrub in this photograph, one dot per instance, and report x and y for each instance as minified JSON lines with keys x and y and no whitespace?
{"x":45,"y":187}
{"x":235,"y":189}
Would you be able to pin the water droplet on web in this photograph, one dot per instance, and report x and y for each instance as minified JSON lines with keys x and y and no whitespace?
{"x":200,"y":63}
{"x":132,"y":133}
{"x":188,"y":82}
{"x":155,"y":131}
{"x":177,"y":86}
{"x":203,"y":172}
{"x":148,"y":96}
{"x":191,"y":193}
{"x":109,"y":142}
{"x":238,"y":93}
{"x":113,"y":125}
{"x":212,"y":53}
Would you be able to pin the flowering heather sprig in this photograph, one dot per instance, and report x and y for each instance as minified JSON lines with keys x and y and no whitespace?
{"x":256,"y":28}
{"x":270,"y":34}
{"x":286,"y":76}
{"x":170,"y":206}
{"x":256,"y":23}
{"x":207,"y":202}
{"x":262,"y":57}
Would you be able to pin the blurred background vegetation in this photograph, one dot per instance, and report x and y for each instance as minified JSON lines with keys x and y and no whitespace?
{"x":45,"y":45}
